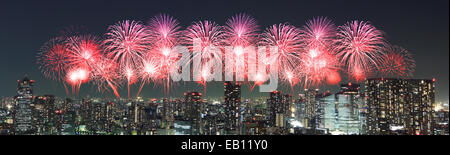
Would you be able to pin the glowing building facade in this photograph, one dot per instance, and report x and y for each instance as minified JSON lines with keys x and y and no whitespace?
{"x":343,"y":111}
{"x":232,"y":107}
{"x":22,"y":118}
{"x":400,"y":106}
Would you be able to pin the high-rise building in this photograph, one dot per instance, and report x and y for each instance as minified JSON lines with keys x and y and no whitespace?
{"x":44,"y":114}
{"x":343,"y":113}
{"x":167,"y":114}
{"x":232,"y":107}
{"x":22,"y":118}
{"x":194,"y":112}
{"x":400,"y":106}
{"x":310,"y":108}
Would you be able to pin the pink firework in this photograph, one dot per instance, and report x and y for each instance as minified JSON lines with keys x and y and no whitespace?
{"x":360,"y":45}
{"x":397,"y":62}
{"x":287,"y":39}
{"x":200,"y":38}
{"x":126,"y":43}
{"x":165,"y":35}
{"x":164,"y":30}
{"x":319,"y":31}
{"x":241,"y":31}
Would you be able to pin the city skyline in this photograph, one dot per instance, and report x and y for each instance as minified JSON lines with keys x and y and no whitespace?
{"x":23,"y":57}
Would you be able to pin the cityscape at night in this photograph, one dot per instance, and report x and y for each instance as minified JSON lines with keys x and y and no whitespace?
{"x":224,"y":68}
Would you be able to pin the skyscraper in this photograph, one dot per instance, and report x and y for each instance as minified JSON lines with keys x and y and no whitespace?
{"x":232,"y":107}
{"x":22,"y":119}
{"x":310,"y":108}
{"x":400,"y":106}
{"x":342,"y":110}
{"x":194,"y":112}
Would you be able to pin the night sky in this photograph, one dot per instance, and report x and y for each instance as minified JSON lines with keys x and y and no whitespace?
{"x":422,"y":27}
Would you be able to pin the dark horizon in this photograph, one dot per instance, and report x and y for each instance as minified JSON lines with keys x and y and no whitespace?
{"x":421,"y":27}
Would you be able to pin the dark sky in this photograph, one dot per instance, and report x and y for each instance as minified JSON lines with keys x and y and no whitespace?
{"x":422,"y":27}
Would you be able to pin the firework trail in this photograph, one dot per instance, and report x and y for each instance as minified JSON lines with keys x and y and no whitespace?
{"x":360,"y":45}
{"x":127,"y":42}
{"x":201,"y":37}
{"x":241,"y":31}
{"x":287,"y":39}
{"x":164,"y":33}
{"x":53,"y":58}
{"x":319,"y":61}
{"x":397,"y":62}
{"x":104,"y":74}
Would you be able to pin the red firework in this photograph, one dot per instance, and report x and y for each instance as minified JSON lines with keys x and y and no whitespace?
{"x":360,"y":45}
{"x":84,"y":51}
{"x":397,"y":62}
{"x":317,"y":64}
{"x":83,"y":54}
{"x":53,"y":58}
{"x":287,"y":39}
{"x":319,"y":61}
{"x":126,"y":43}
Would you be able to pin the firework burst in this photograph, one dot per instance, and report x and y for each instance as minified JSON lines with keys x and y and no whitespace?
{"x":126,"y":42}
{"x":317,"y":65}
{"x":164,"y":30}
{"x":287,"y":39}
{"x":165,"y":33}
{"x":397,"y":62}
{"x":200,"y":38}
{"x":360,"y":45}
{"x":318,"y":32}
{"x":319,"y":61}
{"x":52,"y":59}
{"x":241,"y":31}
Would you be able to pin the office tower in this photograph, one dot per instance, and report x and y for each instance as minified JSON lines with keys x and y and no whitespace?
{"x":343,"y":111}
{"x":22,"y":119}
{"x":400,"y":106}
{"x":167,"y":114}
{"x":310,"y":108}
{"x":44,"y":114}
{"x":194,"y":112}
{"x":232,"y":107}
